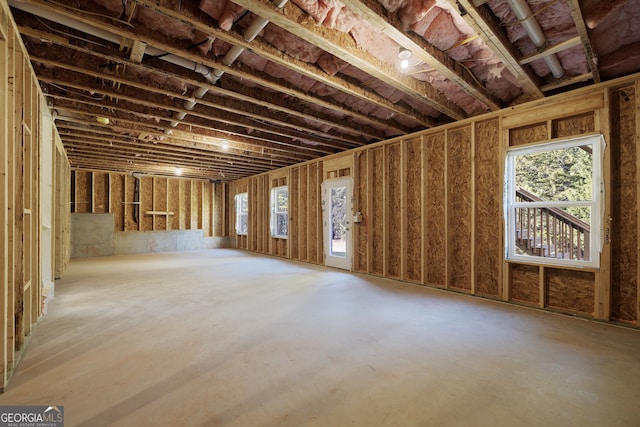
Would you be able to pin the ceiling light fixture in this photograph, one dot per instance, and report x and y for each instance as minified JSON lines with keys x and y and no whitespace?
{"x":404,"y":54}
{"x":178,"y":172}
{"x":225,"y":145}
{"x":102,"y":120}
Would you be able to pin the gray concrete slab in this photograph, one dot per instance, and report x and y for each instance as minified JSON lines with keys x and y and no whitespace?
{"x":228,"y":338}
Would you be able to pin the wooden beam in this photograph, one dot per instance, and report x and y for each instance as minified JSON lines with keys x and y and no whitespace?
{"x":260,"y":48}
{"x":569,"y":43}
{"x":374,"y":13}
{"x":342,"y":45}
{"x":483,"y":21}
{"x":239,"y":98}
{"x":592,"y":59}
{"x":567,"y":82}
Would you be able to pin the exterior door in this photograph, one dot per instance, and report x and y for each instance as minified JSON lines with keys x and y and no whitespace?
{"x":337,"y":218}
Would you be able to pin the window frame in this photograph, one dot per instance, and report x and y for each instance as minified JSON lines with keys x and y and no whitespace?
{"x":238,"y":201}
{"x":596,"y":204}
{"x":275,"y":213}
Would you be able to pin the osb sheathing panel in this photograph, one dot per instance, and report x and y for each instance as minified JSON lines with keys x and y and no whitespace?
{"x":174,"y":204}
{"x":376,"y":217}
{"x":304,"y":223}
{"x":294,"y":220}
{"x":196,"y":205}
{"x":488,"y":231}
{"x":459,"y":207}
{"x":253,"y":214}
{"x":207,"y":190}
{"x":185,"y":205}
{"x":435,"y":245}
{"x":360,"y":229}
{"x":413,"y":202}
{"x":394,"y":210}
{"x":83,"y":192}
{"x":100,"y":192}
{"x":525,"y":280}
{"x":130,"y":223}
{"x":573,"y":126}
{"x":624,"y":212}
{"x":528,"y":134}
{"x":117,"y":199}
{"x":313,"y":212}
{"x":146,"y":199}
{"x":160,"y":202}
{"x":570,"y":290}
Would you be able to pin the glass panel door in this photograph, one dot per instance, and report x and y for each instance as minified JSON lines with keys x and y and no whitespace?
{"x":336,"y":210}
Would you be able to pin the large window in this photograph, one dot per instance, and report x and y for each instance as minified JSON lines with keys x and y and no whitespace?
{"x":553,"y":202}
{"x":242,"y":214}
{"x":280,"y":212}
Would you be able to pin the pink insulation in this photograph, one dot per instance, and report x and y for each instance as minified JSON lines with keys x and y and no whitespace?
{"x":616,"y":30}
{"x":293,"y":45}
{"x":226,"y":13}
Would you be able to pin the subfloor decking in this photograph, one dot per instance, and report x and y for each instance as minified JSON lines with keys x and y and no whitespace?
{"x":228,"y":338}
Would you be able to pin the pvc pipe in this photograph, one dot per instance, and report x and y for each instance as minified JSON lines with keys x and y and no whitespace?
{"x":524,"y":14}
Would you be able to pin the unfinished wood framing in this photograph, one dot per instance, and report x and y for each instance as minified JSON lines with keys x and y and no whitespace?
{"x":432,"y":205}
{"x":151,"y":203}
{"x":26,"y":132}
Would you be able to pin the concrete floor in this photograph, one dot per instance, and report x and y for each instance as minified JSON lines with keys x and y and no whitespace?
{"x":227,"y":338}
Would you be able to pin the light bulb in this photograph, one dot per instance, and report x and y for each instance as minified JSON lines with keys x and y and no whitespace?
{"x":178,"y":171}
{"x":404,"y":64}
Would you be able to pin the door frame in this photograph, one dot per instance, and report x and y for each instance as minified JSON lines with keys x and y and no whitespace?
{"x":330,"y":260}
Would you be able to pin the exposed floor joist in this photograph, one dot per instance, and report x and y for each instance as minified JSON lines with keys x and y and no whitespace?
{"x":592,"y":59}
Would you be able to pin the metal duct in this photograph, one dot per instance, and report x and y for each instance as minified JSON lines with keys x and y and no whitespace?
{"x":524,"y":14}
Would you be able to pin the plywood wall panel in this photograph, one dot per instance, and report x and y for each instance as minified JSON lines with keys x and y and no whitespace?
{"x":160,"y":202}
{"x":313,"y":212}
{"x":207,"y":204}
{"x":570,"y":290}
{"x":82,"y":202}
{"x":185,"y":206}
{"x":625,"y":205}
{"x":459,"y":207}
{"x":361,"y":229}
{"x":376,"y":217}
{"x":253,"y":214}
{"x":435,"y":242}
{"x":573,"y":126}
{"x":529,"y":134}
{"x":413,"y":201}
{"x":393,"y":169}
{"x":131,"y":210}
{"x":304,"y":209}
{"x":117,"y":201}
{"x":525,"y":281}
{"x":146,"y":203}
{"x":173,"y":200}
{"x":100,"y":192}
{"x":488,"y":224}
{"x":294,"y":219}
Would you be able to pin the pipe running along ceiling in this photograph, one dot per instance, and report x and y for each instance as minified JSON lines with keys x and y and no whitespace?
{"x":224,"y":90}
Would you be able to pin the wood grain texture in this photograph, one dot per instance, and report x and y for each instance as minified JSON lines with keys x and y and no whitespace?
{"x":488,"y":204}
{"x":117,"y":199}
{"x":413,"y":203}
{"x":376,"y":218}
{"x":435,"y":244}
{"x":573,"y":126}
{"x":82,"y":202}
{"x":294,"y":207}
{"x":459,"y":209}
{"x":528,"y":134}
{"x":624,"y":224}
{"x":361,"y":230}
{"x":525,"y":284}
{"x":394,"y":210}
{"x":313,"y":213}
{"x":100,"y":192}
{"x":146,"y":203}
{"x":304,"y":209}
{"x":570,"y":290}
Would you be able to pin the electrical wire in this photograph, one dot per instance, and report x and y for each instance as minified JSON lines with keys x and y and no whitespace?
{"x":81,"y":11}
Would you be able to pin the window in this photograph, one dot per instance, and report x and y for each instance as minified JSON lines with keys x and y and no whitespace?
{"x":242,"y":214}
{"x":280,"y":212}
{"x":553,"y":202}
